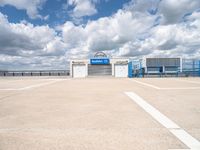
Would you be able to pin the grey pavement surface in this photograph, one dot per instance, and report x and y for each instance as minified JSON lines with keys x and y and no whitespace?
{"x":94,"y":113}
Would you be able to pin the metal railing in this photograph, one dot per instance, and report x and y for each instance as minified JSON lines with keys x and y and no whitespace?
{"x":34,"y":73}
{"x":190,"y":68}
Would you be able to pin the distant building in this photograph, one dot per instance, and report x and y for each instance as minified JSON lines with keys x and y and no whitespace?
{"x":155,"y":65}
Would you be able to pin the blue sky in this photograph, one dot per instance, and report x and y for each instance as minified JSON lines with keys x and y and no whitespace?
{"x":46,"y":34}
{"x":58,"y":12}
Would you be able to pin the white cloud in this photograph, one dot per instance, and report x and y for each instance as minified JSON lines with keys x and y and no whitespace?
{"x":175,"y":40}
{"x":21,"y":37}
{"x":134,"y":48}
{"x":82,"y":8}
{"x":31,"y":6}
{"x":174,"y":11}
{"x":170,"y":11}
{"x":27,"y":43}
{"x":107,"y":33}
{"x":32,"y":63}
{"x":144,"y":6}
{"x":128,"y":32}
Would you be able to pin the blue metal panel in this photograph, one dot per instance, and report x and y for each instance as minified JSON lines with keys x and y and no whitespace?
{"x":100,"y":61}
{"x":130,"y":69}
{"x":140,"y":70}
{"x":199,"y":68}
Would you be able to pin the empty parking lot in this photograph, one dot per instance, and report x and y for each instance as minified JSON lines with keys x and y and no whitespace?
{"x":99,"y":113}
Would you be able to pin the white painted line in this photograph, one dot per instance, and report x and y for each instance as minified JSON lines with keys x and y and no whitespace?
{"x":186,"y":138}
{"x":146,"y":84}
{"x":180,"y":88}
{"x":168,"y":88}
{"x":9,"y":89}
{"x":182,"y":80}
{"x":179,"y":149}
{"x":46,"y":79}
{"x":181,"y":134}
{"x":37,"y":85}
{"x":32,"y":86}
{"x":162,"y":119}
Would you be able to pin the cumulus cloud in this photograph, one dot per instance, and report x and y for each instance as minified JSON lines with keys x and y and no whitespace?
{"x":176,"y":40}
{"x":133,"y":31}
{"x":32,"y":63}
{"x":144,"y":6}
{"x":126,"y":34}
{"x":22,"y":38}
{"x":82,"y":8}
{"x":174,"y":11}
{"x":24,"y":41}
{"x":106,"y":34}
{"x":170,"y":11}
{"x":31,"y":6}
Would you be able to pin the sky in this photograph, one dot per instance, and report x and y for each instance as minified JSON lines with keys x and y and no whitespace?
{"x":46,"y":34}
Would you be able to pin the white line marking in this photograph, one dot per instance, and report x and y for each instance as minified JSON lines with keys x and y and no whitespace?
{"x":168,"y":88}
{"x":182,"y":80}
{"x":32,"y":86}
{"x":46,"y":79}
{"x":9,"y":89}
{"x":180,"y":88}
{"x":146,"y":84}
{"x":181,"y":134}
{"x":37,"y":85}
{"x":162,"y":119}
{"x":179,"y":149}
{"x":186,"y":138}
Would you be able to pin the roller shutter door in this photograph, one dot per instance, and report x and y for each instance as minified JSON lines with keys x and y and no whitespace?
{"x":99,"y":70}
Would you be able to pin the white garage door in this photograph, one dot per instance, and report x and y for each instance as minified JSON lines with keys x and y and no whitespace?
{"x":79,"y":71}
{"x":121,"y":70}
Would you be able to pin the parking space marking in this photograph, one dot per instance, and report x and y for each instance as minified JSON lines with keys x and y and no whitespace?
{"x":167,"y":88}
{"x":33,"y":86}
{"x":182,"y":80}
{"x":180,"y":133}
{"x":146,"y":84}
{"x":180,"y":88}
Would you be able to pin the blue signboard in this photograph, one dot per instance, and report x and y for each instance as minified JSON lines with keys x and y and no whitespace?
{"x":100,"y":61}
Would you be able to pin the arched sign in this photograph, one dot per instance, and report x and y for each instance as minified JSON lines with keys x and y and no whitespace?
{"x":100,"y":58}
{"x":100,"y":55}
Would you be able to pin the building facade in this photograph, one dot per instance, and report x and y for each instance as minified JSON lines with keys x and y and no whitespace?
{"x":157,"y":65}
{"x":99,"y":65}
